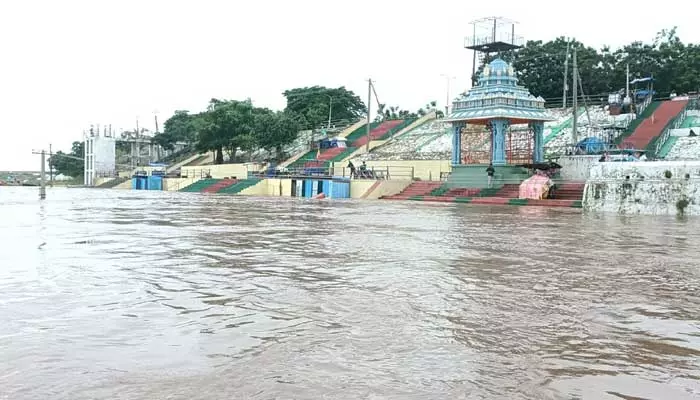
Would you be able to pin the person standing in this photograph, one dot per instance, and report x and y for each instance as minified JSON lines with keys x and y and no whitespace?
{"x":352,"y":170}
{"x":489,"y":173}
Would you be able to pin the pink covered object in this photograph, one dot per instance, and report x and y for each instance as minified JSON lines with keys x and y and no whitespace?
{"x":535,"y":187}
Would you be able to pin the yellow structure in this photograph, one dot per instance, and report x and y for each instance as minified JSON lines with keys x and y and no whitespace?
{"x":425,"y":170}
{"x":359,"y":189}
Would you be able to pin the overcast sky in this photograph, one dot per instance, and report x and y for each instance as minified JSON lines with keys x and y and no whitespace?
{"x":66,"y":64}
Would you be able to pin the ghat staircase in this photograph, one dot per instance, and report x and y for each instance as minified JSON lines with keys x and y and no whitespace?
{"x":566,"y":194}
{"x":227,"y":186}
{"x":416,"y":189}
{"x":653,"y":125}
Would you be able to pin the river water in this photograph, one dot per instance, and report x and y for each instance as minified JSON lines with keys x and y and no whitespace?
{"x":108,"y":294}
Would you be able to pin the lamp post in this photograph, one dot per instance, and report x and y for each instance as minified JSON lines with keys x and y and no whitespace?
{"x":330,"y":110}
{"x":448,"y":78}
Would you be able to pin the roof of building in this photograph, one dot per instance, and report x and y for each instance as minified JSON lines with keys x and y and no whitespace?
{"x":498,"y":96}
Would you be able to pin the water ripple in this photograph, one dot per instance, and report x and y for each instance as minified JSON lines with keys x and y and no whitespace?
{"x":131,"y":295}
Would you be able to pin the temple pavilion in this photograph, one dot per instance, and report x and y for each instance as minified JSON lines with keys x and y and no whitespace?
{"x":499,"y":103}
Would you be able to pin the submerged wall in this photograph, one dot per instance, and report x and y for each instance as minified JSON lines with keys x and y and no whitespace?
{"x":651,"y":188}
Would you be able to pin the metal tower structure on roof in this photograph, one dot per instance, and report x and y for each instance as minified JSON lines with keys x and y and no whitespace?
{"x":491,"y":35}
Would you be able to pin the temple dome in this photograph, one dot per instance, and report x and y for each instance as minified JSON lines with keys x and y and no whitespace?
{"x":498,"y":68}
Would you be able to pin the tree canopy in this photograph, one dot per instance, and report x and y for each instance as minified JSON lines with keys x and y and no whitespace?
{"x":229,"y":126}
{"x":181,"y":127}
{"x":672,"y":63}
{"x":312,"y":105}
{"x":69,"y":164}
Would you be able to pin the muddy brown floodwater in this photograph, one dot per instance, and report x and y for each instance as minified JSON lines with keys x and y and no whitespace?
{"x":108,"y":294}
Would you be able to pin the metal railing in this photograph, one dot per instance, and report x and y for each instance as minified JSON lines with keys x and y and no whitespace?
{"x":640,"y":108}
{"x":373,"y":173}
{"x":196,"y":173}
{"x":673,"y":124}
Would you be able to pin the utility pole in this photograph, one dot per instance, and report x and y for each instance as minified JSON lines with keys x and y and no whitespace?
{"x":369,"y":105}
{"x":574,"y":133}
{"x":627,"y":86}
{"x":566,"y":74}
{"x":50,"y":166}
{"x":42,"y":190}
{"x":447,"y":95}
{"x":585,"y":102}
{"x":330,"y":111}
{"x":42,"y":178}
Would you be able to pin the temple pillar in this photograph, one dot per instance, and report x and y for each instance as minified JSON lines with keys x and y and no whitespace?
{"x":538,"y":131}
{"x":498,"y":141}
{"x":457,"y":142}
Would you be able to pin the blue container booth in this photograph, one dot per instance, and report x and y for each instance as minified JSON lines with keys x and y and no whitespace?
{"x":145,"y":182}
{"x":333,"y":188}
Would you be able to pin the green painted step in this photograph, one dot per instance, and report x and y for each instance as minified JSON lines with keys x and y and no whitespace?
{"x":200,"y":185}
{"x":690,"y":121}
{"x":397,"y":128}
{"x":309,"y":156}
{"x":439,"y":191}
{"x":359,"y":132}
{"x":635,"y":123}
{"x":517,"y":202}
{"x":666,"y":148}
{"x":344,"y":154}
{"x":566,"y":124}
{"x":240,"y":186}
{"x":488,"y":192}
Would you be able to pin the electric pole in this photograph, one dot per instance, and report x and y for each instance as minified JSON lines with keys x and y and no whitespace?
{"x":447,"y":95}
{"x":50,"y":166}
{"x":42,"y":178}
{"x":330,"y":111}
{"x":574,"y":133}
{"x":566,"y":74}
{"x":369,"y":105}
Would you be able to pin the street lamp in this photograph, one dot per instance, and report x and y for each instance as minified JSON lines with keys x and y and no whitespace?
{"x":448,"y":78}
{"x":330,"y":110}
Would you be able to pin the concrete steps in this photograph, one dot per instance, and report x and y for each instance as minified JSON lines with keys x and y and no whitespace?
{"x":378,"y":132}
{"x":219,"y":185}
{"x":654,"y":125}
{"x":421,"y":188}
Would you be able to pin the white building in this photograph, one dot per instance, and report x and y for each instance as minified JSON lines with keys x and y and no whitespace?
{"x":100,"y":157}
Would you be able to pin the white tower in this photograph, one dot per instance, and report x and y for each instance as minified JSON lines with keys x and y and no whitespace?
{"x":100,"y":156}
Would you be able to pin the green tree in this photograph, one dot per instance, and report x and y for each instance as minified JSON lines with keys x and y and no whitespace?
{"x":273,"y":130}
{"x":540,"y":66}
{"x":69,"y":164}
{"x":312,"y":104}
{"x":227,"y":125}
{"x":181,"y":127}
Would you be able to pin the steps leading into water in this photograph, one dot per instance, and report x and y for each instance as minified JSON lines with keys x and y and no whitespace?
{"x":420,"y":188}
{"x":216,"y":187}
{"x":200,"y":185}
{"x":240,"y":186}
{"x":565,"y":194}
{"x":113,"y":183}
